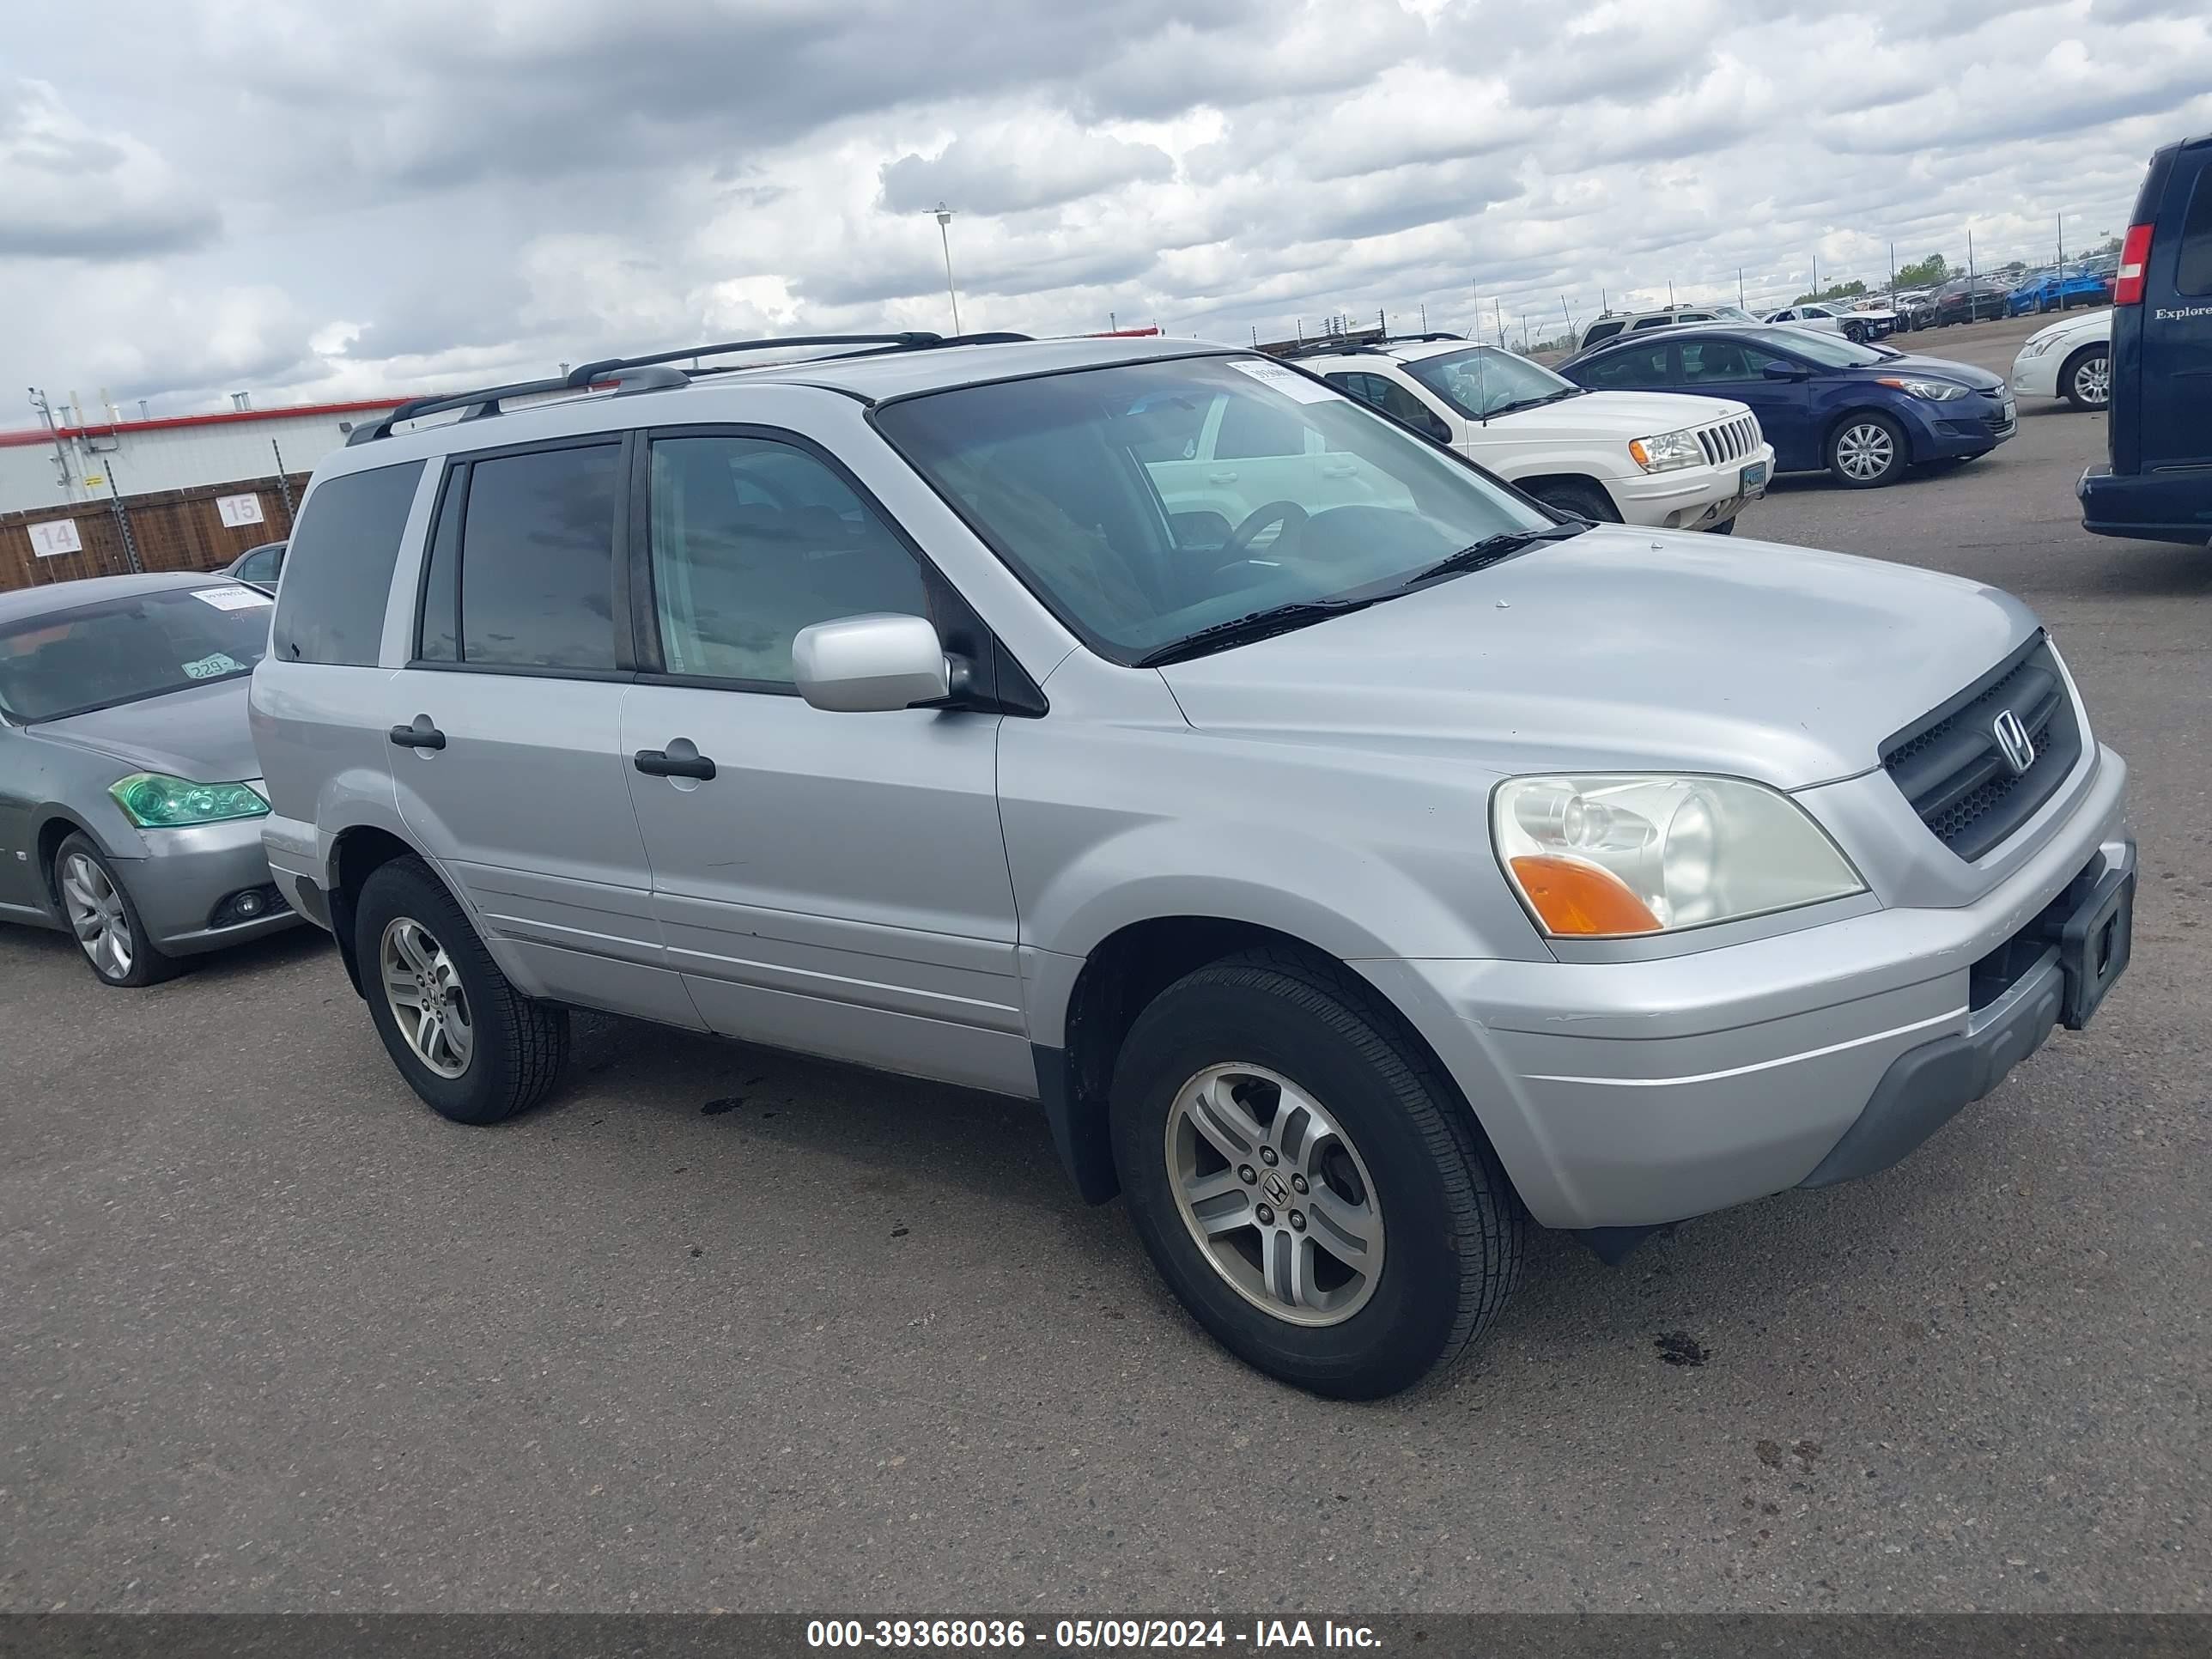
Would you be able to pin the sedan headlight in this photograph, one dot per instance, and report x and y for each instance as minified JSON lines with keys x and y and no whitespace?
{"x":155,"y":800}
{"x":1667,"y":451}
{"x":1936,"y":391}
{"x":1601,"y":857}
{"x":2039,"y":345}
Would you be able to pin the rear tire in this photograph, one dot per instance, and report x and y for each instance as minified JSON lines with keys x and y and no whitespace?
{"x":2085,"y":378}
{"x":473,"y":1046}
{"x":1268,"y":1069}
{"x":1866,"y":451}
{"x":1585,"y":500}
{"x":99,"y":912}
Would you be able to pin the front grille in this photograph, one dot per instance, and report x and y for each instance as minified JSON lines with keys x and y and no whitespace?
{"x":1731,"y":441}
{"x":1952,"y":766}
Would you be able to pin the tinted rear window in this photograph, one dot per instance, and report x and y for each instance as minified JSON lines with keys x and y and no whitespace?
{"x":339,"y":563}
{"x":2192,"y":272}
{"x":126,"y":650}
{"x":537,"y":560}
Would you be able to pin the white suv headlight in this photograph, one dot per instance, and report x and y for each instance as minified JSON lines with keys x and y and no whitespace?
{"x":1667,"y":451}
{"x":1618,"y":853}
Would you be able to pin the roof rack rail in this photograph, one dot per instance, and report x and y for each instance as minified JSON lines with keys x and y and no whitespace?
{"x":655,"y":372}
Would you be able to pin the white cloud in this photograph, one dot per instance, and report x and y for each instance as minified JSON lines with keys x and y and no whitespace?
{"x":318,"y":201}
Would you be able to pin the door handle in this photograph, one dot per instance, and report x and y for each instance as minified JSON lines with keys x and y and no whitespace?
{"x":1221,"y":477}
{"x":1344,"y":471}
{"x":660,"y":764}
{"x":420,"y":735}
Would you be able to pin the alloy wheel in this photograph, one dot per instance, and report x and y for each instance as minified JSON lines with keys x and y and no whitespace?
{"x":422,"y":987}
{"x":1865,"y":452}
{"x":1275,"y":1194}
{"x":96,"y":916}
{"x":2093,"y":381}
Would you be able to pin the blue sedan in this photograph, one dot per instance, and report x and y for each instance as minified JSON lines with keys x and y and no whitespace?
{"x":1862,"y":413}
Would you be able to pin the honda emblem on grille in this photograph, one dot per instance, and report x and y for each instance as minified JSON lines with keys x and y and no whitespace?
{"x":2018,"y":748}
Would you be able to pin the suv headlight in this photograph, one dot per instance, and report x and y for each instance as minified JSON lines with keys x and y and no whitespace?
{"x":155,"y":800}
{"x":1617,"y":853}
{"x":1936,"y":391}
{"x":1667,"y":451}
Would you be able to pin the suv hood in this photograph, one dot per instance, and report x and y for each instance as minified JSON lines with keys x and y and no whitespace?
{"x":198,"y":734}
{"x":1622,"y":414}
{"x":1625,"y":648}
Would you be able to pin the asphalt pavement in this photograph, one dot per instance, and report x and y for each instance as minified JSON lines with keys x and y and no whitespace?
{"x":718,"y":1327}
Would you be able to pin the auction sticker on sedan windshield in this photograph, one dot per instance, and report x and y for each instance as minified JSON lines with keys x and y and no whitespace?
{"x":232,"y":599}
{"x":1288,"y":381}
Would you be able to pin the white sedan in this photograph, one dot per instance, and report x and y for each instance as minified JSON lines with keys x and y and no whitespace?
{"x":2071,"y":360}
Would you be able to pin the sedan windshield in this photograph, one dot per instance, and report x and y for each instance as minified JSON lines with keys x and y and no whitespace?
{"x":1834,"y":351}
{"x":1146,"y":502}
{"x":1482,"y":380}
{"x":94,"y":656}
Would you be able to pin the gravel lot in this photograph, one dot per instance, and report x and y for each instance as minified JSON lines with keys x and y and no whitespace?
{"x":721,"y":1328}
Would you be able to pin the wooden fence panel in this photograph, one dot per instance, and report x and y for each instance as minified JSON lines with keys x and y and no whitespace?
{"x":172,"y":529}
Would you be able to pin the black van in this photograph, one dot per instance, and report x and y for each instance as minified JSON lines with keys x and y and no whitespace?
{"x":2159,"y":485}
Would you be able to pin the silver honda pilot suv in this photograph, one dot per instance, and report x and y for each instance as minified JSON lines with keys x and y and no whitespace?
{"x":1354,"y":859}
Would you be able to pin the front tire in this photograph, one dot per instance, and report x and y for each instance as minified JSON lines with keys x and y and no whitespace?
{"x":1308,"y":1184}
{"x":2086,"y":380}
{"x":473,"y":1046}
{"x":102,"y":914}
{"x":1856,"y":333}
{"x":1866,"y":452}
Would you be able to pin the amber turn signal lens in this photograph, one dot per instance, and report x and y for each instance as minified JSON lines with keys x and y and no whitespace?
{"x":1639,"y":454}
{"x":1572,"y":897}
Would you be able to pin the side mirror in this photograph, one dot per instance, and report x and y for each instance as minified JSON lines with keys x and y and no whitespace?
{"x":1784,"y":372}
{"x":871,"y":664}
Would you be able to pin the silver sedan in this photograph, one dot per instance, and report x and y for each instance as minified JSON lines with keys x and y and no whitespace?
{"x":130,"y":803}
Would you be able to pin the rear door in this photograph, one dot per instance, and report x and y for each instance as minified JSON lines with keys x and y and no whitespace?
{"x":505,"y":726}
{"x":831,"y":883}
{"x":2176,"y":322}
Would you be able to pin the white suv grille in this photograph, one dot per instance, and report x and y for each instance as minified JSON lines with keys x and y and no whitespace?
{"x":1731,"y":441}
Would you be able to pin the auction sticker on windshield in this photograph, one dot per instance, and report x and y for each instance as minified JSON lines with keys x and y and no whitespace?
{"x":232,"y":599}
{"x":1287,"y":382}
{"x":210,"y":667}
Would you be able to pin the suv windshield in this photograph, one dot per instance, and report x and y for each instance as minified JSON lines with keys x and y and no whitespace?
{"x":68,"y":662}
{"x":1483,"y":381}
{"x":1146,"y":501}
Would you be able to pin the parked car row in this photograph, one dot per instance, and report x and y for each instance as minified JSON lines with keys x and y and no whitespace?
{"x":2058,"y":288}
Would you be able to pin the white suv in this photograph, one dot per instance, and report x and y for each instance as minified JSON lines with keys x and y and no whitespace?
{"x":1657,"y":458}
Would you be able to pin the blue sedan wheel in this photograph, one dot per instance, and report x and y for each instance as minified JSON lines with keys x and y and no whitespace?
{"x":1866,"y":452}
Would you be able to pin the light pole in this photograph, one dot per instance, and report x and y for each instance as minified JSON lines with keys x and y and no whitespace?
{"x":944,"y":218}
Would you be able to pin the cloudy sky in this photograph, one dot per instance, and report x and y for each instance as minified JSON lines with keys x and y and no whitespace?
{"x":318,"y":201}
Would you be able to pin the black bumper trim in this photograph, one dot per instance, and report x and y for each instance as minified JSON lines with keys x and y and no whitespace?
{"x":1927,"y":1087}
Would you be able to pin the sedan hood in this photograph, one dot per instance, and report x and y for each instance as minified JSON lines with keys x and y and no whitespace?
{"x":1624,"y":648}
{"x":1622,"y":414}
{"x":198,"y":734}
{"x":2096,"y":323}
{"x":1942,"y":368}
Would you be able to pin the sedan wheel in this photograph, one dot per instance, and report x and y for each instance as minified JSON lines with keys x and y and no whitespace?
{"x":2088,"y":382}
{"x":423,"y":989}
{"x":1867,"y":452}
{"x":106,"y":923}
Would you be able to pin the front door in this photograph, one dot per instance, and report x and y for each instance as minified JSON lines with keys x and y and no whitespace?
{"x":1720,"y":367}
{"x":505,"y":728}
{"x":20,"y":875}
{"x":831,"y":883}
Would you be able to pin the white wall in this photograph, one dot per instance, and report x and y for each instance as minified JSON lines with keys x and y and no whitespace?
{"x":167,"y":457}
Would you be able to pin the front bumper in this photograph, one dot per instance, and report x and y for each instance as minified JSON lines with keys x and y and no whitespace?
{"x":1693,"y":497}
{"x":188,"y":875}
{"x":1635,"y":1092}
{"x":1965,"y":426}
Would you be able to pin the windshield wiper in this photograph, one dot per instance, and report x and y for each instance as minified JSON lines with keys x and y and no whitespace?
{"x":1519,"y":403}
{"x":1258,"y":625}
{"x":1493,"y":549}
